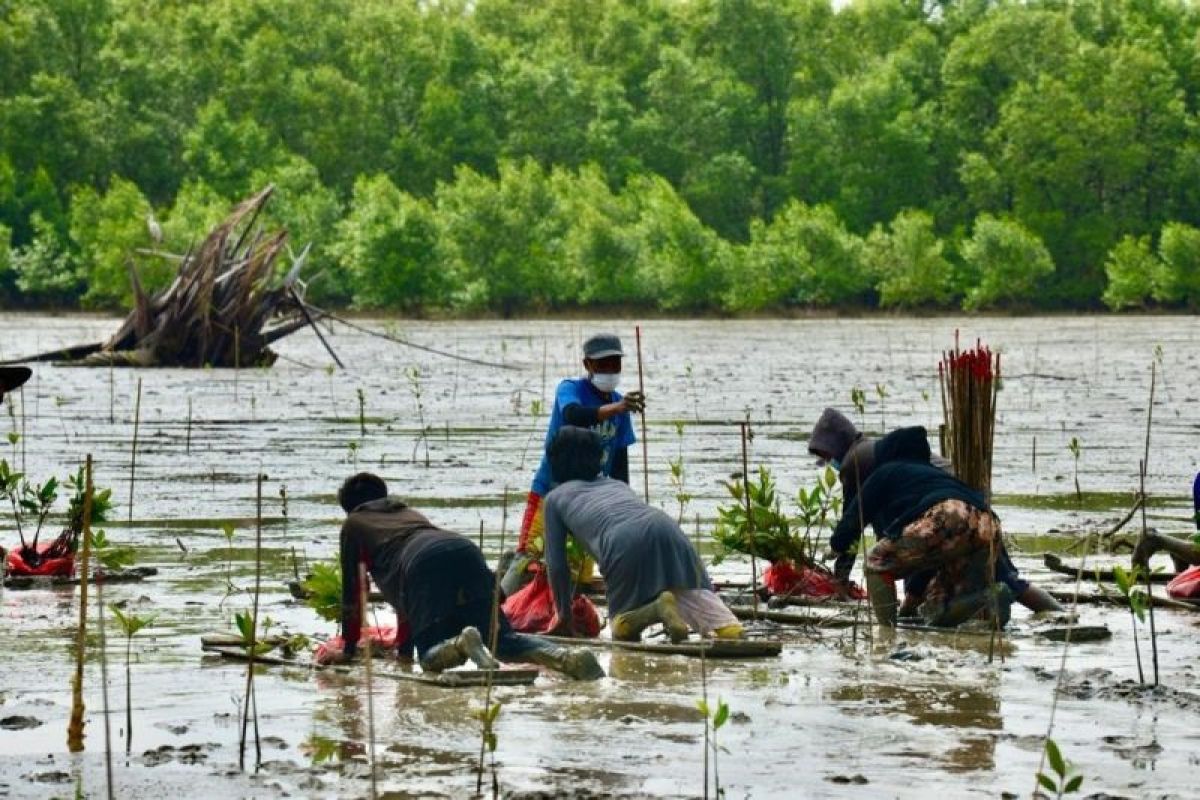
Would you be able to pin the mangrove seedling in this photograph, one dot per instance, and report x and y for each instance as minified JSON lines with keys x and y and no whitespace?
{"x":414,"y":386}
{"x":859,"y":399}
{"x":130,"y":624}
{"x":682,"y":496}
{"x":487,"y":715}
{"x":362,"y":412}
{"x":112,"y":557}
{"x":1075,"y":449}
{"x":1136,"y":600}
{"x":882,"y":393}
{"x":714,"y":719}
{"x":1065,"y":779}
{"x":323,"y":588}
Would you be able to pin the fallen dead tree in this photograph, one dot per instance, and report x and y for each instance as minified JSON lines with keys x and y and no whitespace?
{"x":223,"y":309}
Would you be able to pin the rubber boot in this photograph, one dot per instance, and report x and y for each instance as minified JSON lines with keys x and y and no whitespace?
{"x":974,"y":605}
{"x":882,"y":595}
{"x":471,"y":644}
{"x":1037,"y":599}
{"x":455,"y":652}
{"x":1183,"y":554}
{"x":668,"y":613}
{"x":573,"y":662}
{"x":443,"y":656}
{"x":733,"y":630}
{"x":628,"y":627}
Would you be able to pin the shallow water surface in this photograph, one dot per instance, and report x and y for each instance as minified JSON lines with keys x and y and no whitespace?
{"x":837,"y":715}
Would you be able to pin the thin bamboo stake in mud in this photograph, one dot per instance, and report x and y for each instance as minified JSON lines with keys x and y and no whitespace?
{"x":75,"y":726}
{"x":104,"y":683}
{"x":137,"y":419}
{"x":253,"y":645}
{"x":188,"y":442}
{"x":364,"y":589}
{"x":745,"y":429}
{"x":1142,"y":467}
{"x":637,"y":332}
{"x":493,"y":638}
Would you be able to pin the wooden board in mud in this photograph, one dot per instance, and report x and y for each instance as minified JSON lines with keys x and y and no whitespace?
{"x":1099,"y":574}
{"x":132,"y":575}
{"x":450,"y":680}
{"x":844,"y":619}
{"x":709,"y":648}
{"x":1057,"y":633}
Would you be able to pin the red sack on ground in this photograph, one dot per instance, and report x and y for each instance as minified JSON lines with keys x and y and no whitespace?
{"x":383,"y":639}
{"x":1185,"y":585}
{"x":531,"y":609}
{"x":63,"y":566}
{"x":784,"y":578}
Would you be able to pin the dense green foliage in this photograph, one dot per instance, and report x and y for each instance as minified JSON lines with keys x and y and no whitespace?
{"x":709,"y":155}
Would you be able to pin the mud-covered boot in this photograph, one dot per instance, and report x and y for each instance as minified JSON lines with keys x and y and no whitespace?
{"x":882,"y":594}
{"x":974,"y":605}
{"x":443,"y":656}
{"x":455,"y":652}
{"x":470,"y":642}
{"x":628,"y":626}
{"x":668,"y":613}
{"x":575,"y":663}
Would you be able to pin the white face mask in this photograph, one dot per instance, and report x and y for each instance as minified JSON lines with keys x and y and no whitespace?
{"x":606,"y":381}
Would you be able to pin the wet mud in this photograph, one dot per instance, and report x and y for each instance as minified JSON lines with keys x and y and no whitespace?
{"x":845,"y":712}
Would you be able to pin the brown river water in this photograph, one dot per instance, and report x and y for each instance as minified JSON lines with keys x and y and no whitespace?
{"x":835,"y":716}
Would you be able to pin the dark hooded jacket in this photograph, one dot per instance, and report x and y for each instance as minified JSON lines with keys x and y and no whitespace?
{"x":902,"y":486}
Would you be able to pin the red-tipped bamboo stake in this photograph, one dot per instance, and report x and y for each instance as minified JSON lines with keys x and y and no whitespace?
{"x":637,"y":332}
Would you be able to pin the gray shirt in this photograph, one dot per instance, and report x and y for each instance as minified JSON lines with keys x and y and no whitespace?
{"x":640,"y":550}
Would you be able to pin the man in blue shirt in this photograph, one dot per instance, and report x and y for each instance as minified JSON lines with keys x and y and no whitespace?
{"x":591,"y":402}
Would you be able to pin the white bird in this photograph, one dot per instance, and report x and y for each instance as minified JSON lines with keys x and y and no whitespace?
{"x":155,"y":229}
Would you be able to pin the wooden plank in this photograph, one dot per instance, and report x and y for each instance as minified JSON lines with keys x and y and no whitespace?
{"x":840,"y":620}
{"x":709,"y":648}
{"x":1097,"y":574}
{"x":133,"y":575}
{"x":451,"y":680}
{"x":1056,"y":633}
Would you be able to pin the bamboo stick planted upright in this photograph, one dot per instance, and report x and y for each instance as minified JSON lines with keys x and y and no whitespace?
{"x":969,"y":381}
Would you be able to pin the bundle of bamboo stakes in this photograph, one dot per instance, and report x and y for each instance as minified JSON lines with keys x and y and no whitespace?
{"x":223,"y":308}
{"x":969,"y":382}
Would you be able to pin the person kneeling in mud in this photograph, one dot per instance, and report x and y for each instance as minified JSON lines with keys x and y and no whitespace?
{"x":835,"y":441}
{"x":651,"y":571}
{"x":437,"y":581}
{"x":928,"y":523}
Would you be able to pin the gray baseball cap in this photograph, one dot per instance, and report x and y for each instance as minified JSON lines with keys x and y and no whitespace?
{"x":602,"y":345}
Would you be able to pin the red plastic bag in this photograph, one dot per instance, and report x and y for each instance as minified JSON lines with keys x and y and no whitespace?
{"x":61,"y":566}
{"x":784,"y":578}
{"x":531,"y":609}
{"x":386,"y":639}
{"x":1185,"y":585}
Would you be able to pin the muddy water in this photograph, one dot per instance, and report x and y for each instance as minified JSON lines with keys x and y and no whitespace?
{"x":835,"y":716}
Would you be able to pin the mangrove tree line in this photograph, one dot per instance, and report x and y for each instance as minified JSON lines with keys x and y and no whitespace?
{"x":711,"y":155}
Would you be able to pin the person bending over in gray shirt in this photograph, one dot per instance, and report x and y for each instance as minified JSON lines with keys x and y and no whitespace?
{"x":651,"y":571}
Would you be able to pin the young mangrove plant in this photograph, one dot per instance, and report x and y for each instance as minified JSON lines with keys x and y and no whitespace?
{"x":1075,"y":450}
{"x":248,"y":627}
{"x":362,"y":412}
{"x":130,"y":624}
{"x":414,"y":386}
{"x":714,"y":719}
{"x":678,"y":475}
{"x":858,"y":399}
{"x":1136,"y":600}
{"x":881,"y":392}
{"x":1065,"y":779}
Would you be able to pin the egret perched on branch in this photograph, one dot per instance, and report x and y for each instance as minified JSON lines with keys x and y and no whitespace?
{"x":154,"y":228}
